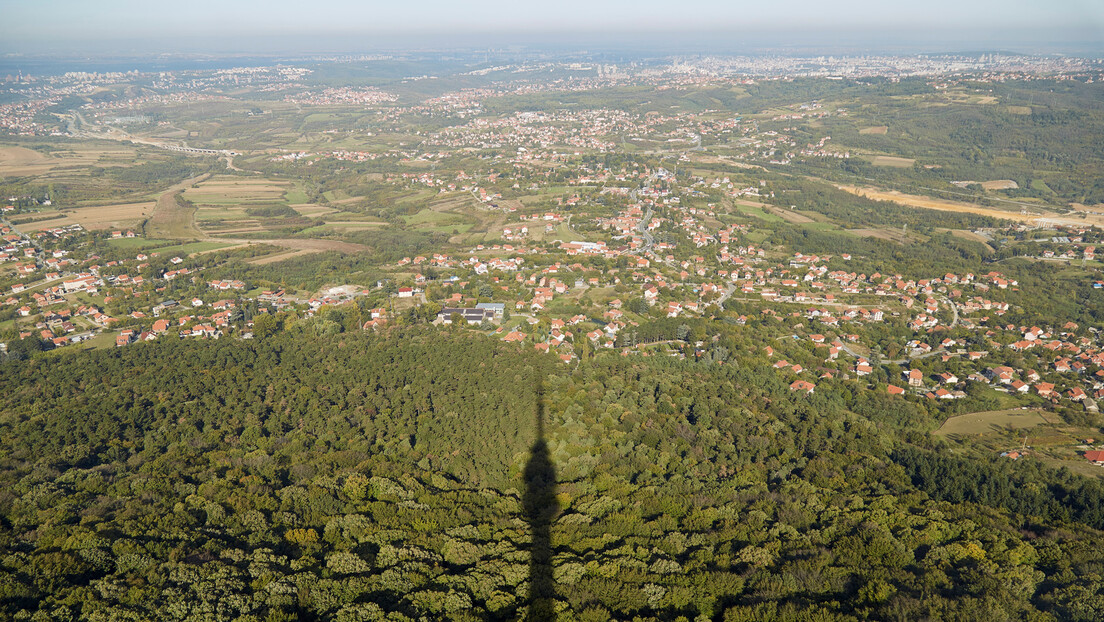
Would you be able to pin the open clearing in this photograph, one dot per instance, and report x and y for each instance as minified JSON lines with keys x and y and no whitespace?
{"x":877,"y":129}
{"x":1075,"y":463}
{"x":991,"y":422}
{"x":892,"y":161}
{"x":1019,"y":109}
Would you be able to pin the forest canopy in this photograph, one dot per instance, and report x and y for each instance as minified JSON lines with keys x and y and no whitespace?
{"x":354,"y":476}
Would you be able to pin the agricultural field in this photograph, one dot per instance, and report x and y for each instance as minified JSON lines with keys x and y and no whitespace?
{"x":789,"y":215}
{"x":225,"y":190}
{"x":758,"y":212}
{"x":226,"y":205}
{"x":23,"y":161}
{"x":892,"y":161}
{"x":111,"y":217}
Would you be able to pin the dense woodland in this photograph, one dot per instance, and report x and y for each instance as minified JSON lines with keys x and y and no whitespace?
{"x":407,"y":475}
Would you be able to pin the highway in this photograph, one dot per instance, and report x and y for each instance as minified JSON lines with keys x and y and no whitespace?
{"x":77,"y":121}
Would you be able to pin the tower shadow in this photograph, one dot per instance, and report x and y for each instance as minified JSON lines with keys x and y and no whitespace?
{"x":540,"y":506}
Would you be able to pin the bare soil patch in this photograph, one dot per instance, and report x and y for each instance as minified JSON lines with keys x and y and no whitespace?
{"x":938,"y":204}
{"x":877,"y":129}
{"x":1000,"y":184}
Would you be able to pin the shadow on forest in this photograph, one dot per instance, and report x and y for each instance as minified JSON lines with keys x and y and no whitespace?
{"x":539,"y":505}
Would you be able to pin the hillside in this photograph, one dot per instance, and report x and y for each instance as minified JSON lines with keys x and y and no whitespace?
{"x":354,"y":477}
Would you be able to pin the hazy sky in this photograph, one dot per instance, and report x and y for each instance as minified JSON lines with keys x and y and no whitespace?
{"x":29,"y":26}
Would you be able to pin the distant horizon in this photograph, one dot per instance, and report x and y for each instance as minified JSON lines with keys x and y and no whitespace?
{"x":634,"y":45}
{"x":342,"y":27}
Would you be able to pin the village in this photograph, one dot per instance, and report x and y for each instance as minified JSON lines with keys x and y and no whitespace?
{"x":554,"y":296}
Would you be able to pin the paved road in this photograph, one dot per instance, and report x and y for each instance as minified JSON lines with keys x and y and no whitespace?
{"x":731,"y":289}
{"x":954,"y":311}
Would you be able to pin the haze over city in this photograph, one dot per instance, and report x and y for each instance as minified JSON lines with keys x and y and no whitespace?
{"x":345,"y":26}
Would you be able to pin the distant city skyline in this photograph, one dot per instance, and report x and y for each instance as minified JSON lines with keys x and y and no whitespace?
{"x":326,"y":26}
